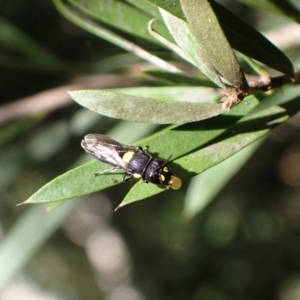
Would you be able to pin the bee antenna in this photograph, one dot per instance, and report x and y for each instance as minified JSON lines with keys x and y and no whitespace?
{"x":167,"y":160}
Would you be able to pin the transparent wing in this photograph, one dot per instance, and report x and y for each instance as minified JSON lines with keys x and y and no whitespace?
{"x":105,"y":149}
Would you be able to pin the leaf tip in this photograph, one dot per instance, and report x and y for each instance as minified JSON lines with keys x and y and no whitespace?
{"x":23,"y":203}
{"x":118,"y":207}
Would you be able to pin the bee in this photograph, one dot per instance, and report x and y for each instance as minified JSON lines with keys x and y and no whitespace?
{"x":133,"y":160}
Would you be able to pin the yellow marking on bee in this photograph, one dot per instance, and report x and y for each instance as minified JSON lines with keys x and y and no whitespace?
{"x":136,"y":175}
{"x":162,"y":178}
{"x":165,"y":169}
{"x":127,"y":157}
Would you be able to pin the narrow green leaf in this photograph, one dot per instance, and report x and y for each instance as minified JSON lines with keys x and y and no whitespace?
{"x":175,"y":93}
{"x":237,"y":137}
{"x":147,"y":110}
{"x":281,"y":7}
{"x":179,"y":140}
{"x":250,"y":42}
{"x":27,"y":236}
{"x":137,"y":131}
{"x":78,"y":181}
{"x":240,"y":35}
{"x":190,"y":49}
{"x":146,"y":6}
{"x":243,"y":133}
{"x":202,"y":189}
{"x":278,"y":98}
{"x":110,"y":36}
{"x":181,"y":78}
{"x":265,"y":5}
{"x":121,"y":16}
{"x":212,"y":43}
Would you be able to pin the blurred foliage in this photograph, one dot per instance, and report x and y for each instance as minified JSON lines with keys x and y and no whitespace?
{"x":230,"y":234}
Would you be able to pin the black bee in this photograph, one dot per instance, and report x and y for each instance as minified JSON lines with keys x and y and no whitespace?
{"x":134,"y":160}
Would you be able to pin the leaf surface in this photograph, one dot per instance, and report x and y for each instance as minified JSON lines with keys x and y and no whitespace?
{"x":142,"y":109}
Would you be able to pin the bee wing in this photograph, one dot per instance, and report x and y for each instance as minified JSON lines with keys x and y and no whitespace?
{"x":105,"y":149}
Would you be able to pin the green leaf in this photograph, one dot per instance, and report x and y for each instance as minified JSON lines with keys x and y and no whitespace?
{"x":141,"y":109}
{"x":212,"y":181}
{"x":212,"y":43}
{"x":280,"y":97}
{"x":80,"y":181}
{"x":180,"y":78}
{"x":179,"y":140}
{"x":27,"y":236}
{"x":265,"y":5}
{"x":146,"y":6}
{"x":110,"y":36}
{"x":240,"y":35}
{"x":250,"y":42}
{"x":235,"y":138}
{"x":281,"y":7}
{"x":174,"y":93}
{"x":189,"y":49}
{"x":121,"y":16}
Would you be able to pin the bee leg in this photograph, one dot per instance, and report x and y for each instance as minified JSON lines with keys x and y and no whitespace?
{"x":146,"y":148}
{"x":128,"y":175}
{"x":106,"y":171}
